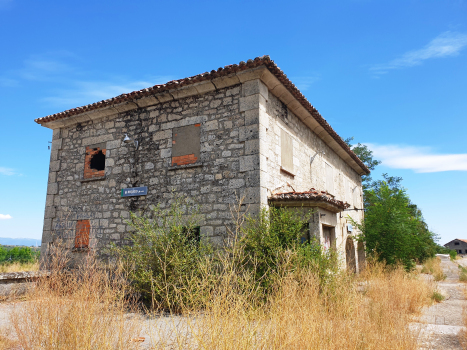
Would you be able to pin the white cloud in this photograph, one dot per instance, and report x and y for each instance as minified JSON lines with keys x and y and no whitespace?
{"x":303,"y":83}
{"x":445,"y":45}
{"x":85,"y":92}
{"x":5,"y":217}
{"x":418,"y":159}
{"x":7,"y":171}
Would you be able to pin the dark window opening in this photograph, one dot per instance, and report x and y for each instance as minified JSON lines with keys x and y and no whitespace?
{"x":98,"y":161}
{"x":456,"y":243}
{"x":193,"y":234}
{"x":306,"y":237}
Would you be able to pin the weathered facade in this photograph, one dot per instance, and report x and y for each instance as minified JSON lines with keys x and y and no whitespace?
{"x":459,"y":245}
{"x":241,"y":131}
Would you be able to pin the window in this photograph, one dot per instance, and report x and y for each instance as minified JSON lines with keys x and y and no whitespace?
{"x":186,"y":145}
{"x":456,"y":243}
{"x":329,"y":179}
{"x":82,"y":234}
{"x":286,"y":152}
{"x":193,"y":233}
{"x":94,"y":161}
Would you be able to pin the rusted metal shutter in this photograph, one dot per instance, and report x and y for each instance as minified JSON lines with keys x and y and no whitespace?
{"x":83,"y":227}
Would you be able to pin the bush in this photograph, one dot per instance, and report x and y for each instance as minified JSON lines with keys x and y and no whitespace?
{"x":18,"y":254}
{"x":173,"y":271}
{"x":453,"y":254}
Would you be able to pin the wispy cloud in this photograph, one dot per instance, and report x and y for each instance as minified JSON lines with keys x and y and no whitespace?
{"x":418,"y":159}
{"x":5,"y":216}
{"x":304,"y":82}
{"x":85,"y":92}
{"x":4,"y":4}
{"x":7,"y":171}
{"x":445,"y":45}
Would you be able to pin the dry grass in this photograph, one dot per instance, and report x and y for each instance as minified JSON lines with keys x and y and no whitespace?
{"x":368,"y":313}
{"x":433,"y":267}
{"x":83,"y":309}
{"x":19,"y":267}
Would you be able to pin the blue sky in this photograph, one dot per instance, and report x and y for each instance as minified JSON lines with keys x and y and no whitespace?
{"x":393,"y":74}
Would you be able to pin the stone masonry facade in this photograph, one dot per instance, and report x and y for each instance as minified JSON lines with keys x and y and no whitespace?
{"x":213,"y":141}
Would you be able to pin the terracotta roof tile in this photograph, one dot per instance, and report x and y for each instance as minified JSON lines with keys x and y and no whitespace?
{"x":222,"y":71}
{"x":312,"y":195}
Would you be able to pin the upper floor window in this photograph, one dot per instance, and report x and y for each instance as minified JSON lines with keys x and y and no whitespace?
{"x":94,"y":161}
{"x":186,"y":145}
{"x":329,"y":179}
{"x":286,"y":152}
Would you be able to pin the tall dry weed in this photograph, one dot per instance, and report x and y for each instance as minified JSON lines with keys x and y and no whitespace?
{"x":19,"y":267}
{"x":372,"y":312}
{"x":76,"y":309}
{"x":433,"y":267}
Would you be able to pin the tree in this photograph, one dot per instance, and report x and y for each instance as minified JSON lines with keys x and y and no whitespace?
{"x":394,"y":229}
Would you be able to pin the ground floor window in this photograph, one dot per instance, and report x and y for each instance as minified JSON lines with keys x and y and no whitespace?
{"x":83,"y":227}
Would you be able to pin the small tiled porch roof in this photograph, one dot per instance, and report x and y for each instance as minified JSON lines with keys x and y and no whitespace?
{"x":311,"y":198}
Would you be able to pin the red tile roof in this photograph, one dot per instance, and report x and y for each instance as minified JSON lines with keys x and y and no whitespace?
{"x":220,"y":72}
{"x":311,"y":195}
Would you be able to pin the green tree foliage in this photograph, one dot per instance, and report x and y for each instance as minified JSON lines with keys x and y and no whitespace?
{"x":17,"y":254}
{"x":394,"y":229}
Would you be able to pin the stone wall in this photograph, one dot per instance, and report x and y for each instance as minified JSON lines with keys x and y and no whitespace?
{"x":276,"y":119}
{"x":224,"y":171}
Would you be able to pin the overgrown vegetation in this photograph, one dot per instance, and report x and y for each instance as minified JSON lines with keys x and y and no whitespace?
{"x":462,"y":273}
{"x":394,"y":230}
{"x":269,"y":288}
{"x":171,"y":269}
{"x":433,"y":267}
{"x":80,"y":309}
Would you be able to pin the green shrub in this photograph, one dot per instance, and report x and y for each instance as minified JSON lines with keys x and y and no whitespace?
{"x":452,"y":254}
{"x":437,"y":296}
{"x":172,"y":270}
{"x":18,"y":254}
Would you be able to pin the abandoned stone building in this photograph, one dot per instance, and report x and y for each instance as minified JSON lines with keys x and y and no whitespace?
{"x":242,"y":130}
{"x":459,"y":245}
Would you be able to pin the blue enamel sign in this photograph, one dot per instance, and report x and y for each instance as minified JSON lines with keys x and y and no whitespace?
{"x":134,"y":191}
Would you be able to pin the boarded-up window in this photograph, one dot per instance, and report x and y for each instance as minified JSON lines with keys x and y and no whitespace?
{"x":329,"y":179}
{"x":82,"y":234}
{"x":186,"y":145}
{"x":355,"y":196}
{"x":286,"y":152}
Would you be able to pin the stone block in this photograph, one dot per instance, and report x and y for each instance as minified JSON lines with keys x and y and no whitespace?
{"x":57,"y":144}
{"x":52,"y":188}
{"x":166,"y":153}
{"x":96,"y":139}
{"x":113,"y":144}
{"x":251,"y":102}
{"x":54,"y":166}
{"x":236,"y":183}
{"x":162,"y":135}
{"x":251,"y":147}
{"x":206,"y":231}
{"x":253,"y":87}
{"x":248,"y":132}
{"x":52,"y":177}
{"x":211,"y":125}
{"x":248,"y":163}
